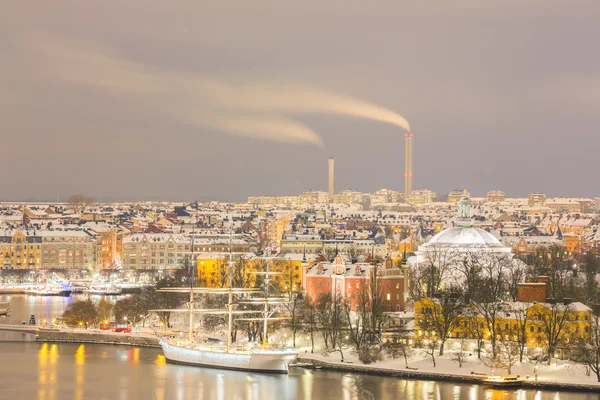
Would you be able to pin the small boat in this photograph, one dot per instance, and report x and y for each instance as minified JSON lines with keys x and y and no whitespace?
{"x":500,"y":381}
{"x":51,"y":289}
{"x":111,"y":290}
{"x":4,"y":308}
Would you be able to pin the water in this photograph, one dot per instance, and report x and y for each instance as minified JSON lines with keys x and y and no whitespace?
{"x":31,"y":370}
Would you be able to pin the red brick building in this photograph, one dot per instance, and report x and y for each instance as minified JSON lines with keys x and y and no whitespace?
{"x":529,"y":292}
{"x":349,"y":281}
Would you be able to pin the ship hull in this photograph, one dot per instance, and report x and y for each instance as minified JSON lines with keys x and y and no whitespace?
{"x":271,"y":361}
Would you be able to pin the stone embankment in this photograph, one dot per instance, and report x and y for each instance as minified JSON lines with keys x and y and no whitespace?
{"x":95,"y":336}
{"x":434,"y":376}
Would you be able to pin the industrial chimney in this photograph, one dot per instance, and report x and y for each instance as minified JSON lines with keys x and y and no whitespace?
{"x":331,"y":162}
{"x":408,"y":172}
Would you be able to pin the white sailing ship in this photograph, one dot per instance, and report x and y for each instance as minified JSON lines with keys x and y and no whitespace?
{"x":246,"y":357}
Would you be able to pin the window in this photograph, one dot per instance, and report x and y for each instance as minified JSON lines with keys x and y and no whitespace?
{"x":388,"y":297}
{"x":338,"y":284}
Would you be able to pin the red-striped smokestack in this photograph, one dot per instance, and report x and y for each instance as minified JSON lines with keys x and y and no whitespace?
{"x":408,"y":172}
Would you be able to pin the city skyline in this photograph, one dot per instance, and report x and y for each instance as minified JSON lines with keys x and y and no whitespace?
{"x":496,"y":99}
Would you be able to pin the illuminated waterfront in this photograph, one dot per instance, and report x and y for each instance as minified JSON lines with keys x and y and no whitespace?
{"x":57,"y":371}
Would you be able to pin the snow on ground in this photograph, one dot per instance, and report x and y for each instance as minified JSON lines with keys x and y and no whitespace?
{"x":559,"y":372}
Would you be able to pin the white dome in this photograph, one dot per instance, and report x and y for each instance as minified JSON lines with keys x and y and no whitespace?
{"x":465,"y":236}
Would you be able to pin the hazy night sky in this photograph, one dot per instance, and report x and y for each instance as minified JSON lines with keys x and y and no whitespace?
{"x":183,"y":99}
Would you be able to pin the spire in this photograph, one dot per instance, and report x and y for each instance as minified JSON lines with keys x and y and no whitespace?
{"x":558,"y":233}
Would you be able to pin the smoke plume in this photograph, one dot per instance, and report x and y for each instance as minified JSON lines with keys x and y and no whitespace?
{"x":255,"y":110}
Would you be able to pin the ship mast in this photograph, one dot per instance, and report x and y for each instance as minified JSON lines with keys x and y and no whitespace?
{"x":266,"y":311}
{"x":230,"y":305}
{"x":190,"y":336}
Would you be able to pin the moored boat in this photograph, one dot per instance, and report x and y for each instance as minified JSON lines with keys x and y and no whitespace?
{"x":4,"y":308}
{"x":501,"y":381}
{"x":111,"y":290}
{"x":51,"y":289}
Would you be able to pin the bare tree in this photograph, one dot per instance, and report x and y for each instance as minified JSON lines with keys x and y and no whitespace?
{"x":440,"y":316}
{"x":429,"y":347}
{"x":331,"y":317}
{"x":515,"y":275}
{"x":474,"y":328}
{"x":311,"y":321}
{"x":553,"y":321}
{"x":79,"y":202}
{"x":588,"y":344}
{"x":354,"y":252}
{"x":398,"y":346}
{"x":508,"y":352}
{"x":329,"y":253}
{"x":555,"y":263}
{"x":431,"y":272}
{"x":460,"y":356}
{"x":589,"y":268}
{"x":522,"y":317}
{"x":491,"y":292}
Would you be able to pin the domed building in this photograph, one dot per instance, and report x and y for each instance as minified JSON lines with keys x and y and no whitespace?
{"x":458,"y":256}
{"x":463,"y":250}
{"x":462,"y":237}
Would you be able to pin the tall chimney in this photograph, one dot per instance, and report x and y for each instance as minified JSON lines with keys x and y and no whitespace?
{"x":331,"y":162}
{"x":408,"y":164}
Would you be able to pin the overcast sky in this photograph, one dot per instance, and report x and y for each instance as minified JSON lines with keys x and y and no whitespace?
{"x":149,"y":99}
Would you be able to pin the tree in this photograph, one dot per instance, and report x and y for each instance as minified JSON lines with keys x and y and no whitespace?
{"x":429,"y":347}
{"x":554,"y":263}
{"x":398,"y":347}
{"x":489,"y":296}
{"x":105,"y":310}
{"x":588,"y":344}
{"x":81,"y":313}
{"x":134,"y":308}
{"x":440,"y":316}
{"x":508,"y":352}
{"x":519,"y":332}
{"x":79,"y":202}
{"x":329,"y":253}
{"x":473,"y":328}
{"x":428,"y":275}
{"x":553,"y":320}
{"x":589,"y":268}
{"x":461,"y":355}
{"x":354,"y":252}
{"x":332,"y":321}
{"x":311,"y":320}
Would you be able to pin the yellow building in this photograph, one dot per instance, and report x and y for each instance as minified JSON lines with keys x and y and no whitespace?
{"x":213,"y":270}
{"x":470,"y":325}
{"x":20,"y":249}
{"x":109,"y":244}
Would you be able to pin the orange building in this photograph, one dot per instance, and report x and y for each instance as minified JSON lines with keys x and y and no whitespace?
{"x":354,"y":280}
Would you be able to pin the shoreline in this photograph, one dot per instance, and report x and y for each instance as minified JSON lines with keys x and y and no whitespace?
{"x":141,"y":340}
{"x":434,"y":376}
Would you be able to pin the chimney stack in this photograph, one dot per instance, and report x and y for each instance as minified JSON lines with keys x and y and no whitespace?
{"x":331,"y":162}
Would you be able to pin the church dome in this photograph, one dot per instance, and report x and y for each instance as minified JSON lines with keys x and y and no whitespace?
{"x":465,"y":236}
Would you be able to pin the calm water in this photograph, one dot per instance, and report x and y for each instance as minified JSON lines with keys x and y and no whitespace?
{"x":31,"y":370}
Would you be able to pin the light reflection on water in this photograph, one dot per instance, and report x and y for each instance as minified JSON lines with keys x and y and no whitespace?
{"x":103,"y":371}
{"x":66,"y":371}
